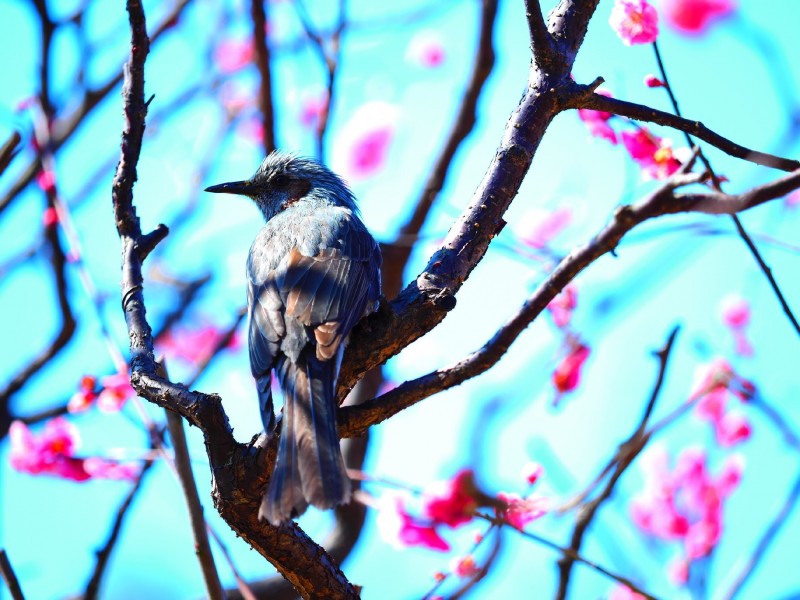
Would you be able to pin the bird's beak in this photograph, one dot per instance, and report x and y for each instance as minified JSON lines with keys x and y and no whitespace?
{"x":243,"y":188}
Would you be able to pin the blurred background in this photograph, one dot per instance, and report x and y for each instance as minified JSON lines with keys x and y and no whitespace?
{"x":400,"y":71}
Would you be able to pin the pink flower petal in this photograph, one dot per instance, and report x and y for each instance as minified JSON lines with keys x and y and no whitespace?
{"x":634,"y":21}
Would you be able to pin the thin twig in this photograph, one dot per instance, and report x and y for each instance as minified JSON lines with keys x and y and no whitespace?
{"x":626,"y":454}
{"x":104,"y":554}
{"x":765,"y":541}
{"x":9,"y":150}
{"x":10,"y":577}
{"x":202,"y":547}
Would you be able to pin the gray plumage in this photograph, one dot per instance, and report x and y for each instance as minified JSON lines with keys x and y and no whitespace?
{"x":313,"y":272}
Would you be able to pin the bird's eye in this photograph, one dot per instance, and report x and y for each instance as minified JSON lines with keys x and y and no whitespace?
{"x":280,"y":181}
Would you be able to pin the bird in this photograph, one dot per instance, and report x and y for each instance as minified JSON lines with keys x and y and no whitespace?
{"x":312,"y":273}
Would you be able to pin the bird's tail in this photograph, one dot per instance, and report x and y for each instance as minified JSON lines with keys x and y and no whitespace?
{"x":309,"y":468}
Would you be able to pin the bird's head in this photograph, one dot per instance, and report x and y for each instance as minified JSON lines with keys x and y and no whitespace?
{"x":284,"y":179}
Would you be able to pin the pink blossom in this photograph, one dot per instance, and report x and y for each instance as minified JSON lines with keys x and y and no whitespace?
{"x":451,"y":502}
{"x":652,"y":81}
{"x":48,"y":454}
{"x":116,"y":391}
{"x":731,"y":475}
{"x":518,"y":511}
{"x":363,"y":144}
{"x":541,"y":228}
{"x":694,"y":16}
{"x":733,"y":428}
{"x":735,"y":311}
{"x":562,"y":306}
{"x":85,"y":396}
{"x":46,"y":180}
{"x":567,"y":374}
{"x":634,"y":21}
{"x":531,"y":472}
{"x":426,"y":49}
{"x":652,"y":153}
{"x":464,"y":566}
{"x":233,"y":55}
{"x":312,"y":108}
{"x":102,"y":468}
{"x":792,"y":200}
{"x":50,"y":217}
{"x":597,"y":120}
{"x":623,"y":592}
{"x":678,"y":571}
{"x":193,"y":345}
{"x":400,"y":529}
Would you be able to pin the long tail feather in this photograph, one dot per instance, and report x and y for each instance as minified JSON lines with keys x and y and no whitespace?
{"x":309,"y":468}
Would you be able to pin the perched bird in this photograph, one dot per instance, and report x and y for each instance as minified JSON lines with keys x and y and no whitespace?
{"x":313,"y":272}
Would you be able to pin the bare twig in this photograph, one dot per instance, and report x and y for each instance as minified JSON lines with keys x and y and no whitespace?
{"x":695,"y":128}
{"x":569,"y":553}
{"x":762,"y":546}
{"x":183,"y":466}
{"x":104,"y":554}
{"x":628,"y":451}
{"x":7,"y":572}
{"x":9,"y":150}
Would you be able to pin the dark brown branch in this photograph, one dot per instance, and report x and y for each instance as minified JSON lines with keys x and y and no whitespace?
{"x":762,"y":546}
{"x":183,"y":466}
{"x":353,"y":420}
{"x":695,"y":128}
{"x":239,"y":471}
{"x":628,"y":451}
{"x":9,"y":150}
{"x":258,"y":11}
{"x":104,"y":554}
{"x":396,"y":255}
{"x":7,"y":572}
{"x":542,"y":46}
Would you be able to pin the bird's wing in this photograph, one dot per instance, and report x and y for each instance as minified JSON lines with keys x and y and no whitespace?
{"x":314,"y":298}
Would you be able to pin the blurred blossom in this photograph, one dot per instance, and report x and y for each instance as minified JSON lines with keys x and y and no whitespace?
{"x":363,"y":142}
{"x":563,"y":305}
{"x":539,"y":228}
{"x":736,"y":315}
{"x":232,"y":55}
{"x":518,"y":511}
{"x":687,"y":503}
{"x":714,"y":383}
{"x":451,"y":502}
{"x":792,"y":200}
{"x":623,"y":592}
{"x":85,"y":396}
{"x":634,"y":21}
{"x":235,"y":98}
{"x":426,"y":49}
{"x":464,"y":566}
{"x":531,"y":472}
{"x":312,"y":108}
{"x":678,"y":571}
{"x":567,"y":374}
{"x":694,"y":16}
{"x":46,"y":180}
{"x":194,"y":345}
{"x":400,"y":529}
{"x":50,"y":217}
{"x":653,"y":154}
{"x":652,"y":81}
{"x":52,"y":453}
{"x":597,"y":120}
{"x":116,"y":392}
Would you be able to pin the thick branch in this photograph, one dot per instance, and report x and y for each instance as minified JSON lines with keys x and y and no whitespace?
{"x":353,"y":420}
{"x":259,"y":15}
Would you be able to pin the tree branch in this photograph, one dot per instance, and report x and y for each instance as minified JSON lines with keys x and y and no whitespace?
{"x":695,"y":128}
{"x":259,"y":14}
{"x":9,"y":150}
{"x":628,"y":451}
{"x":7,"y":572}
